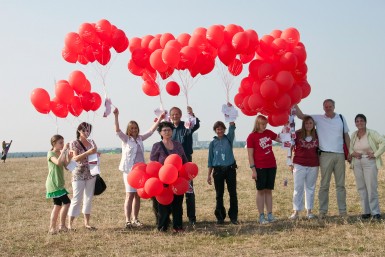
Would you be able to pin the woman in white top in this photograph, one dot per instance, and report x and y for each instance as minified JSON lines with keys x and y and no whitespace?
{"x":366,"y":148}
{"x":132,"y":152}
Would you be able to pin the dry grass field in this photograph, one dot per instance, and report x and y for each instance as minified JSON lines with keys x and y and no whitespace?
{"x":25,"y":212}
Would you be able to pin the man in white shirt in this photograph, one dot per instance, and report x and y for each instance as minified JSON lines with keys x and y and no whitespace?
{"x":332,"y":131}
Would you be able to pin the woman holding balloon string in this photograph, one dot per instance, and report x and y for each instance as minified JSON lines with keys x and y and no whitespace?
{"x":132,"y":153}
{"x":159,"y":153}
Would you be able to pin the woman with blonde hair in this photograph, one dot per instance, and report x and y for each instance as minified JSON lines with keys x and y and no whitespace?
{"x":263,"y":165}
{"x":132,"y":153}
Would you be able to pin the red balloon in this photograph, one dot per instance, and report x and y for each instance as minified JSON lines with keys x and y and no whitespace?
{"x":215,"y":35}
{"x":291,"y":36}
{"x":64,"y":91}
{"x":156,"y":61}
{"x":58,"y":108}
{"x":198,"y":41}
{"x":142,"y":193}
{"x":300,"y":53}
{"x":180,"y":186}
{"x":77,"y":80}
{"x":152,"y":168}
{"x":168,"y":173}
{"x":226,"y":54}
{"x":174,"y":159}
{"x":300,"y":72}
{"x":166,"y":196}
{"x":288,"y":61}
{"x":283,"y":102}
{"x":150,"y":88}
{"x":229,"y":32}
{"x":188,"y":56}
{"x":87,"y":33}
{"x":265,"y":45}
{"x":240,"y":42}
{"x":141,"y":57}
{"x":295,"y":94}
{"x":276,"y":33}
{"x":135,"y":69}
{"x":89,"y":53}
{"x":279,"y":46}
{"x":73,"y":42}
{"x":146,"y":41}
{"x":183,"y":39}
{"x":269,"y":89}
{"x":238,"y":100}
{"x":166,"y":74}
{"x":139,"y":165}
{"x":135,"y":43}
{"x":278,"y":119}
{"x":253,"y":41}
{"x":246,"y":58}
{"x":87,"y":100}
{"x":154,"y":44}
{"x":284,"y":80}
{"x":254,"y":67}
{"x":97,"y":101}
{"x":256,"y":102}
{"x":40,"y":100}
{"x":103,"y":55}
{"x":153,"y":187}
{"x":207,"y":64}
{"x":165,"y":38}
{"x":119,"y":41}
{"x":248,"y":112}
{"x":68,"y":55}
{"x":172,"y":88}
{"x":246,"y":85}
{"x":173,"y":43}
{"x":103,"y":30}
{"x":305,"y":87}
{"x":170,"y":56}
{"x":191,"y":169}
{"x":75,"y":108}
{"x":265,"y":71}
{"x":235,"y":67}
{"x":137,"y":178}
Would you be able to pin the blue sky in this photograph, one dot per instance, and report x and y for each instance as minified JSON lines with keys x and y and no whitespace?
{"x":344,"y":42}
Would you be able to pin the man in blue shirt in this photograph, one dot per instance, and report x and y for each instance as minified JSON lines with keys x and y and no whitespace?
{"x":221,"y":160}
{"x":184,"y":136}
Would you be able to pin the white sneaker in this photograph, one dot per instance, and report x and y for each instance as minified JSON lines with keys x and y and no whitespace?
{"x":310,"y":216}
{"x":262,"y":219}
{"x":294,"y":216}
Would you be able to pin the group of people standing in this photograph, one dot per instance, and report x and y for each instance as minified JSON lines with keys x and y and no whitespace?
{"x":319,"y":143}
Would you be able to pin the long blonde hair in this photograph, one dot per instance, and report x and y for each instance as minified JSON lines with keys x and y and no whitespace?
{"x":130,"y":124}
{"x":258,"y":122}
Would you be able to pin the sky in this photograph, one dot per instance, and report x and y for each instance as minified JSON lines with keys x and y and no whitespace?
{"x":345,"y":56}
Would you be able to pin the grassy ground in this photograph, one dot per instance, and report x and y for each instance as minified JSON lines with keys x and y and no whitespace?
{"x":25,"y":214}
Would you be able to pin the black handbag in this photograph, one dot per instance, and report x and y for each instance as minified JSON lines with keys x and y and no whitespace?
{"x":100,"y":185}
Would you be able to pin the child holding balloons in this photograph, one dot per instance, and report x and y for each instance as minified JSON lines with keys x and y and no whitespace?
{"x":58,"y":157}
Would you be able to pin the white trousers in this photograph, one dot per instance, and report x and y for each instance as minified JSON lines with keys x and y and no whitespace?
{"x":305,"y":179}
{"x":83,"y":190}
{"x":366,"y":173}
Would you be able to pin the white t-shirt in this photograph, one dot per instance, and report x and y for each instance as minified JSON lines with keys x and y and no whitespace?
{"x":330,"y":132}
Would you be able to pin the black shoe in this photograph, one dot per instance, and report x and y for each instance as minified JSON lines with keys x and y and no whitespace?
{"x":365,"y":216}
{"x":235,"y":222}
{"x":192,"y":222}
{"x":220,"y":222}
{"x":376,"y":217}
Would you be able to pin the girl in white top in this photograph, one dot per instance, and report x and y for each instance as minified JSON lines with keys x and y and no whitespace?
{"x":132,"y":152}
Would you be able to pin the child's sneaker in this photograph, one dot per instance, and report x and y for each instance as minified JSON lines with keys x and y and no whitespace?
{"x":270,"y":217}
{"x":262,"y":220}
{"x":136,"y":223}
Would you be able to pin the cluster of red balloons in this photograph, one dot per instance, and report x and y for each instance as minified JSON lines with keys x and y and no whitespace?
{"x":72,"y":96}
{"x":277,"y":77}
{"x":93,"y":42}
{"x":162,"y":181}
{"x":162,"y":54}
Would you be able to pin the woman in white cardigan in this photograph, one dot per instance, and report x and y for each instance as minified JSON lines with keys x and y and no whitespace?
{"x":366,"y":148}
{"x":132,"y":153}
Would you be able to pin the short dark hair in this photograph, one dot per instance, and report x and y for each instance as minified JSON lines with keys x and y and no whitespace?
{"x":219,"y":124}
{"x":165,"y":124}
{"x":360,"y":116}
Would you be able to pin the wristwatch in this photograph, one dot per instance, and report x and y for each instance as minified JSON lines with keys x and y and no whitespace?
{"x":252,"y":166}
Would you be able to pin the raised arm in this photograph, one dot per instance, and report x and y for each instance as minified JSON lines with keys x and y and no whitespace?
{"x":116,"y":113}
{"x":156,"y":123}
{"x":299,"y":113}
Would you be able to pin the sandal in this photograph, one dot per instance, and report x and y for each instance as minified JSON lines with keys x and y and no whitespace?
{"x":63,"y":229}
{"x":128,"y":225}
{"x":91,"y":228}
